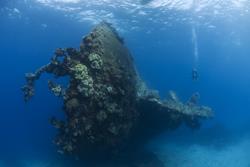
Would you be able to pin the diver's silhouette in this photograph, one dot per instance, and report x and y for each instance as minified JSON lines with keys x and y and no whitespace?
{"x":195,"y":74}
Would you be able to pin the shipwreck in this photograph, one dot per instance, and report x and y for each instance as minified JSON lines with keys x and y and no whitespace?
{"x":108,"y":107}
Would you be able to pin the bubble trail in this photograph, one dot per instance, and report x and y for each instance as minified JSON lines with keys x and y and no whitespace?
{"x":195,"y":5}
{"x":195,"y":44}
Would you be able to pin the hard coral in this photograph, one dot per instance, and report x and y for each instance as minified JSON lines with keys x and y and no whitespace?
{"x":95,"y":61}
{"x":85,"y":81}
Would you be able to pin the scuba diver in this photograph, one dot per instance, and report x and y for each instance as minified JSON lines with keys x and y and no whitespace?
{"x":195,"y":74}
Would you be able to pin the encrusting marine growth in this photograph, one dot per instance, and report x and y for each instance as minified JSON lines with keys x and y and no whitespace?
{"x":108,"y":107}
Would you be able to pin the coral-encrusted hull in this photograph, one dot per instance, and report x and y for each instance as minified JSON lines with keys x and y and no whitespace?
{"x":106,"y":104}
{"x":111,"y":112}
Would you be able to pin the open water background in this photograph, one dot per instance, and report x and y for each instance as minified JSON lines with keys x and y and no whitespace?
{"x":167,"y":39}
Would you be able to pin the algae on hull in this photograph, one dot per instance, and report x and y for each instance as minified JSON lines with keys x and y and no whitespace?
{"x":107,"y":106}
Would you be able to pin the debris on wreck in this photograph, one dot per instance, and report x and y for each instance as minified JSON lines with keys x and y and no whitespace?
{"x":106,"y":104}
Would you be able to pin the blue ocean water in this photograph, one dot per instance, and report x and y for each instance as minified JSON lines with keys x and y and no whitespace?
{"x":167,"y":40}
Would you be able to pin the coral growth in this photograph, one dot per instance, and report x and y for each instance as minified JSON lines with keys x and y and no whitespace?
{"x":95,"y":61}
{"x":85,"y":82}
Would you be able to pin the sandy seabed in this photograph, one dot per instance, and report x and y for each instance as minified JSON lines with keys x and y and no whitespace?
{"x":231,"y":154}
